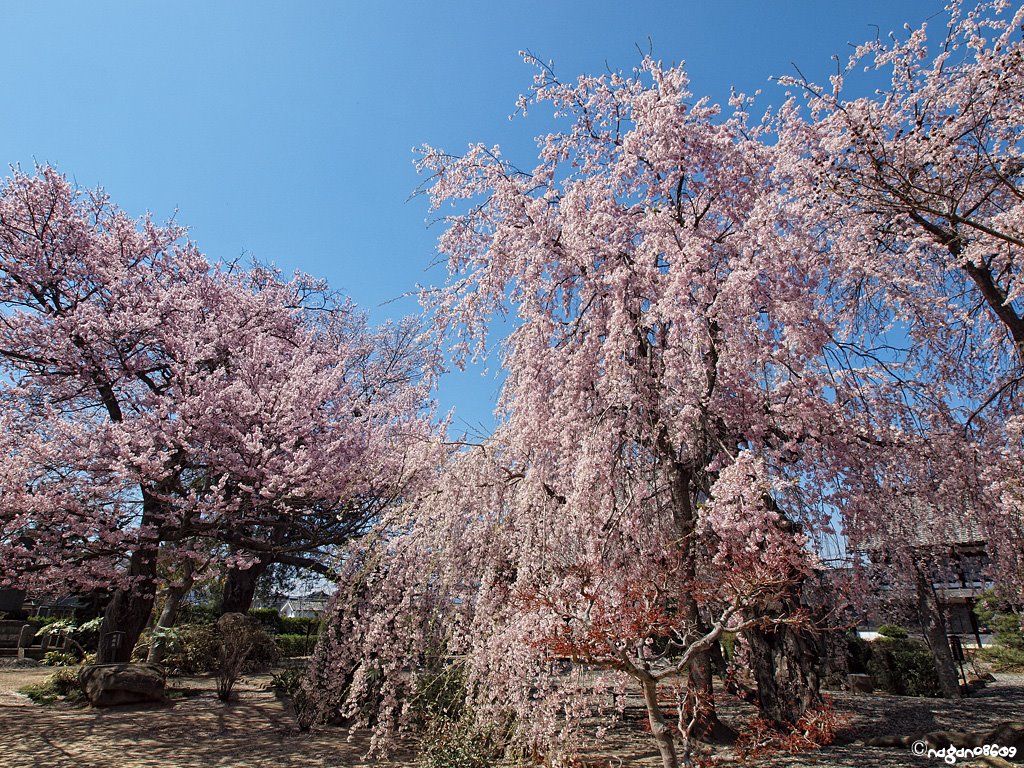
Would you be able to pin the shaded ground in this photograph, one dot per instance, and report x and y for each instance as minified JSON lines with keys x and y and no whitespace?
{"x":862,"y":716}
{"x":198,"y":731}
{"x":868,"y":716}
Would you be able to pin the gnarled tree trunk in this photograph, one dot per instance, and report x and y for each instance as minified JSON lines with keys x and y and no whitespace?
{"x":785,"y":664}
{"x":240,"y":587}
{"x":130,"y":607}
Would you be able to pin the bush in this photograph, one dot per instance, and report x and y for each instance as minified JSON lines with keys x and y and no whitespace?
{"x":727,"y":641}
{"x":451,"y":737}
{"x":59,"y":659}
{"x":62,"y":684}
{"x":264,"y":653}
{"x":268,"y":618}
{"x":195,"y":649}
{"x":1003,"y":621}
{"x":288,"y":685}
{"x":894,"y":631}
{"x":242,"y":645}
{"x":297,"y":625}
{"x":1005,"y":624}
{"x":192,"y":649}
{"x":295,"y":645}
{"x":1002,"y":659}
{"x":286,"y":682}
{"x":38,"y":622}
{"x":454,"y":744}
{"x":904,"y":667}
{"x":275,"y":623}
{"x":197,"y":613}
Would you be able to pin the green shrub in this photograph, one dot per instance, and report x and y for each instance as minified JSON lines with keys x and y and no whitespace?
{"x":295,"y":645}
{"x":192,"y":649}
{"x":297,"y":625}
{"x":894,"y":631}
{"x":728,"y":643}
{"x":264,"y":652}
{"x":1003,"y":621}
{"x":197,"y":613}
{"x":904,"y":667}
{"x":287,"y":685}
{"x":286,"y":682}
{"x":38,"y":622}
{"x":1002,"y":659}
{"x":268,"y":618}
{"x":59,"y":659}
{"x":275,"y":623}
{"x":454,"y":744}
{"x":62,"y":684}
{"x":195,"y":649}
{"x":451,"y":737}
{"x":441,"y":691}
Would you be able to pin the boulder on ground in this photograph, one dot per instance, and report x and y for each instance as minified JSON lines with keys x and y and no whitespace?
{"x":110,"y":685}
{"x":861,"y":683}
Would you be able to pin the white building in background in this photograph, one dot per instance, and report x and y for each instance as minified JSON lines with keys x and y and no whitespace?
{"x":304,"y":606}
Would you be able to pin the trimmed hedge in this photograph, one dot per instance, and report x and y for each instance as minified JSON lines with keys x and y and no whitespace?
{"x":297,"y":626}
{"x":903,"y":666}
{"x":277,"y":624}
{"x":295,"y":645}
{"x":268,"y":618}
{"x":894,"y":631}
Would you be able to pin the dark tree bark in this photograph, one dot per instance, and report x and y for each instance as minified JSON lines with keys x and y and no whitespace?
{"x":785,"y":663}
{"x":933,"y":624}
{"x":130,"y":607}
{"x":240,"y":587}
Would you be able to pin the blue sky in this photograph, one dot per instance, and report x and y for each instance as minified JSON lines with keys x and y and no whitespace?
{"x":283,"y":131}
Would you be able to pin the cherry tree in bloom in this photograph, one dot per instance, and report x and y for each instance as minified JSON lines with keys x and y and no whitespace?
{"x":153,"y":398}
{"x":321,"y":444}
{"x":486,"y":573}
{"x":664,"y":399}
{"x":917,"y":194}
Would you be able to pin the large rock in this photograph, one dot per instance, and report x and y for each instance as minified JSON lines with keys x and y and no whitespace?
{"x":109,"y":685}
{"x":861,"y":683}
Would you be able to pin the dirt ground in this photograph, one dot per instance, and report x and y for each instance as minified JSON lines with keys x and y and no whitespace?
{"x":198,"y":731}
{"x":195,"y":731}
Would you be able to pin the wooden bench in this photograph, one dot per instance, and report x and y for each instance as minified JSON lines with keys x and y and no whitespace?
{"x":15,"y":637}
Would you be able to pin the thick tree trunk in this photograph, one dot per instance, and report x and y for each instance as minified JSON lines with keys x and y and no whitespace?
{"x":240,"y":588}
{"x":933,"y":624}
{"x":126,"y":616}
{"x":785,"y":664}
{"x":129,"y":609}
